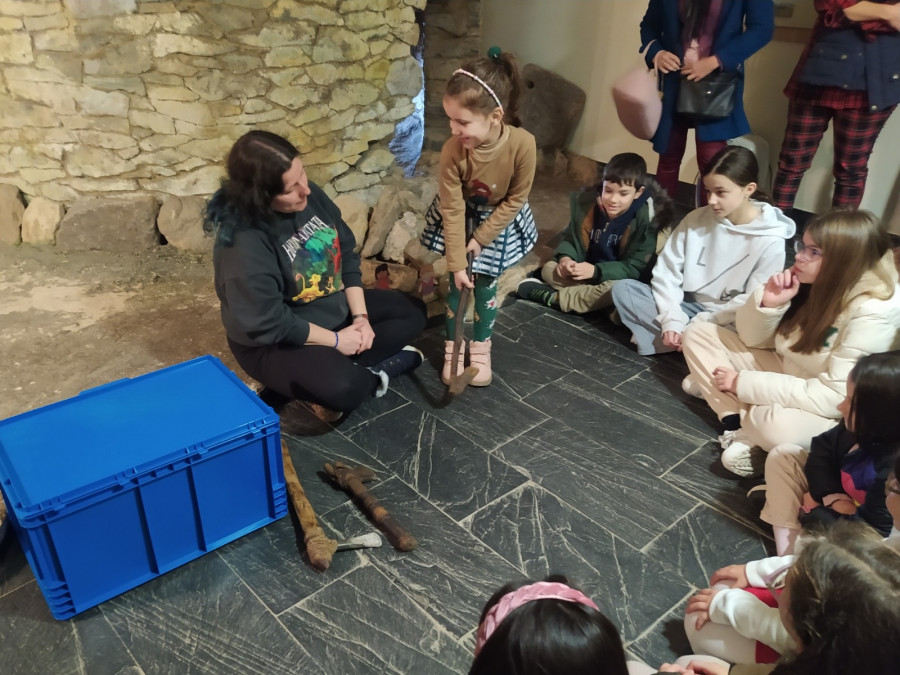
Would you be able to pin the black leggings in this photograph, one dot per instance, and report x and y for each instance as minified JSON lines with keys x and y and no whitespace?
{"x":325,"y":376}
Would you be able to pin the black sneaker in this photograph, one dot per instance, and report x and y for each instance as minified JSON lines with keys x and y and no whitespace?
{"x":406,"y":360}
{"x":535,"y":291}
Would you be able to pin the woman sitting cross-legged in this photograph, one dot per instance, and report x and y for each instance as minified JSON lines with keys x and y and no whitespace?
{"x":780,"y":378}
{"x":296,"y":315}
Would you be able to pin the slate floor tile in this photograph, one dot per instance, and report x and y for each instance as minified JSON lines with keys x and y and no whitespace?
{"x":704,"y":541}
{"x":272,"y":561}
{"x":702,"y":476}
{"x":594,"y":355}
{"x":634,"y":432}
{"x":441,"y":464}
{"x":486,"y":415}
{"x":597,"y":482}
{"x":451,"y":574}
{"x":32,"y":641}
{"x":201,"y":618}
{"x":542,"y":535}
{"x":363,"y":623}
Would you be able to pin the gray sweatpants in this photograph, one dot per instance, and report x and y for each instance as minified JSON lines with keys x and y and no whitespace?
{"x":638,"y":311}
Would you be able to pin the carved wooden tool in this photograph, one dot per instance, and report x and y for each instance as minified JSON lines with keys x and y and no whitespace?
{"x":352,"y":480}
{"x":458,"y":383}
{"x":319,"y":547}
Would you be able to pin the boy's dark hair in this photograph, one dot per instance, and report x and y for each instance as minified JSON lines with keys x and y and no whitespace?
{"x":550,"y":636}
{"x":626,"y":168}
{"x":876,"y":396}
{"x":739,"y":165}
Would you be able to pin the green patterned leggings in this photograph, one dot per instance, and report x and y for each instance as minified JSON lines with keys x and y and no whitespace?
{"x":485,"y":307}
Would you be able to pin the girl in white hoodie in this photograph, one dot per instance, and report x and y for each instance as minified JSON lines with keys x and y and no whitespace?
{"x":714,"y":258}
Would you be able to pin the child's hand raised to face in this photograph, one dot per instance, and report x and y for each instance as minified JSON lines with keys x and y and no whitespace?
{"x":780,"y":288}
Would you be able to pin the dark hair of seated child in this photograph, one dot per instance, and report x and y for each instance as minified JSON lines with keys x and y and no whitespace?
{"x":536,"y":628}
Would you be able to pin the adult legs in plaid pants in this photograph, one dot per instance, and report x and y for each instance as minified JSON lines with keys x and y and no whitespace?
{"x":855,"y":133}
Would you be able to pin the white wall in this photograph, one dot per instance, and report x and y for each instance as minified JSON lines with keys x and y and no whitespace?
{"x":593,"y":42}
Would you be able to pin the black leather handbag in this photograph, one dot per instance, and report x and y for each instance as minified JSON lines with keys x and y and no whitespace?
{"x":711,"y":98}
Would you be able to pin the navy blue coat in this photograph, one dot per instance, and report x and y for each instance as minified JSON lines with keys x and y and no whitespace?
{"x":733,"y":42}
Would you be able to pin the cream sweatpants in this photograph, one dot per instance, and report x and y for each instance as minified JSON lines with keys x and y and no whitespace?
{"x":707,"y":346}
{"x":785,"y":485}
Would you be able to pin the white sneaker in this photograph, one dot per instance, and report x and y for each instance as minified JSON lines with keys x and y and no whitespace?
{"x":690,"y":387}
{"x":739,"y":455}
{"x":729,"y":436}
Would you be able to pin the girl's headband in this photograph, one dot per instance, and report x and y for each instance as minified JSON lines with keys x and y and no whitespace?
{"x":542,"y":590}
{"x":483,"y":84}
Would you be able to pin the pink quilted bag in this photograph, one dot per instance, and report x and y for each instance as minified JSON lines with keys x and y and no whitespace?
{"x":639,"y":101}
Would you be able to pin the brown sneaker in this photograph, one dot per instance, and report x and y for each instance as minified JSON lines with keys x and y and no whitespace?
{"x":480,"y":357}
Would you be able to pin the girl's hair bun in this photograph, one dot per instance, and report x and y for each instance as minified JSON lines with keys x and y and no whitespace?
{"x":494,"y":53}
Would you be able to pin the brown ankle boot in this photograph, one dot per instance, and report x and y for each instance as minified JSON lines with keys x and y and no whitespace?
{"x":480,"y":357}
{"x":448,"y":359}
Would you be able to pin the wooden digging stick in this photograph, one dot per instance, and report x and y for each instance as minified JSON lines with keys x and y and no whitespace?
{"x":458,"y":383}
{"x":319,"y":547}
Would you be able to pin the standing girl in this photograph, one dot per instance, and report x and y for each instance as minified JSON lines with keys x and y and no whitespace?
{"x":490,"y":158}
{"x":716,"y":255}
{"x":690,"y":39}
{"x":780,"y":378}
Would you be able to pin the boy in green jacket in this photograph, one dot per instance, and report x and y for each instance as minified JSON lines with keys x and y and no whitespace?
{"x":611,"y":235}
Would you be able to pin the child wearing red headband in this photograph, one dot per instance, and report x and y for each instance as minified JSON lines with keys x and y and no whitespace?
{"x":535,"y":628}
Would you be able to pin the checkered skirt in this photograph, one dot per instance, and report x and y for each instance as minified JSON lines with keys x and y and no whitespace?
{"x":506,"y":250}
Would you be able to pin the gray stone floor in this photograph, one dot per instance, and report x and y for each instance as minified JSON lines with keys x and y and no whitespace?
{"x":582,"y":458}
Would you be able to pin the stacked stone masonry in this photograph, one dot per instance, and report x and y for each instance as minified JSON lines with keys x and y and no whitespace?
{"x":117,"y":97}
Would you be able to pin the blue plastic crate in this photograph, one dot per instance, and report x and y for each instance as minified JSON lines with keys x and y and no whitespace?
{"x":124,"y":482}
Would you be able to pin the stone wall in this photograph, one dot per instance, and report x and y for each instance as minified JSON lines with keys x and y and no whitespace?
{"x":107,"y":97}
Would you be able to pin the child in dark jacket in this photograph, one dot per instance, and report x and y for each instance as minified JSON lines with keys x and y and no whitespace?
{"x":612,"y":235}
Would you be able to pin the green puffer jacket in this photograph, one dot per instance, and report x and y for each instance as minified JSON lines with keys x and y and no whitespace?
{"x":636,"y":247}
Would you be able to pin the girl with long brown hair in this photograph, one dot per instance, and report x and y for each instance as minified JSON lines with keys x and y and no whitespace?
{"x":780,"y":378}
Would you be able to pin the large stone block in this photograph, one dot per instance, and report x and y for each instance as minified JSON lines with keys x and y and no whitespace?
{"x":202,"y":181}
{"x":405,"y":77}
{"x":16,"y":48}
{"x":121,"y":224}
{"x":86,"y":9}
{"x":11,"y":210}
{"x":41,"y":221}
{"x":550,"y":106}
{"x":405,"y":230}
{"x":388,"y":210}
{"x":355,"y":213}
{"x":180,"y":221}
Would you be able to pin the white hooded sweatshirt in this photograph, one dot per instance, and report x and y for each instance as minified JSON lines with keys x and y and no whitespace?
{"x":712,"y":261}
